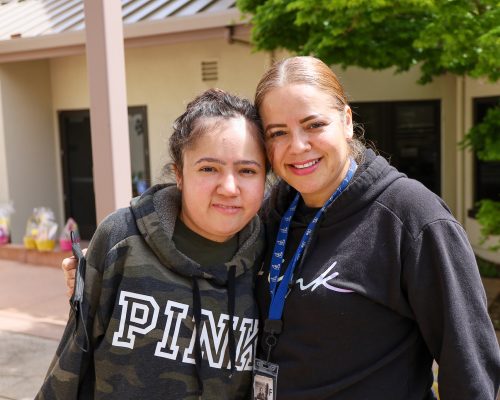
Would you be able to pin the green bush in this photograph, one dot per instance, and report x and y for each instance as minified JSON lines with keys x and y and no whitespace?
{"x":484,"y":138}
{"x":488,"y":217}
{"x":488,"y":269}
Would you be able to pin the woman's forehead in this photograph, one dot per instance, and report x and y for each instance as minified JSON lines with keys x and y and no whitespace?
{"x":298,"y":92}
{"x":218,"y":128}
{"x":235,"y":135}
{"x":299,"y":100}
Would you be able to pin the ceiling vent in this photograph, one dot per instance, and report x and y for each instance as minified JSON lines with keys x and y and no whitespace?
{"x":209,"y":71}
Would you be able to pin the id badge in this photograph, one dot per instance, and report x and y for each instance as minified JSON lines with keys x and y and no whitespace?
{"x":265,"y":380}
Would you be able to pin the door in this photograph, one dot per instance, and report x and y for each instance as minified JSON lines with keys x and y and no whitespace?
{"x":78,"y":180}
{"x":76,"y":158}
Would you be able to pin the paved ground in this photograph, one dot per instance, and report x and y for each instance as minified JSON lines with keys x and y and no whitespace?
{"x":33,"y":313}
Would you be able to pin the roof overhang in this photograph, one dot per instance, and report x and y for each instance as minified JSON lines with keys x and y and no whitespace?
{"x":139,"y":34}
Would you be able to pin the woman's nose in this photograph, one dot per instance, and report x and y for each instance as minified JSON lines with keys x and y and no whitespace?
{"x":299,"y":141}
{"x":228,"y":185}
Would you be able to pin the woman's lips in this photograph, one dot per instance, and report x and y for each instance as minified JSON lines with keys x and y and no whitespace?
{"x":226,"y":209}
{"x":304,"y":167}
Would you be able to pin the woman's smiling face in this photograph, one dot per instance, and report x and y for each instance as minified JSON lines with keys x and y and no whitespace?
{"x":222,"y":178}
{"x":307,"y":139}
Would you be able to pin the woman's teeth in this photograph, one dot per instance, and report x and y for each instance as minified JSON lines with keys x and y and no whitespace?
{"x":306,"y":165}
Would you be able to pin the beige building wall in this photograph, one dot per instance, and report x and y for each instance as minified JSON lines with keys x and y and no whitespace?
{"x":69,"y":83}
{"x":28,"y":134}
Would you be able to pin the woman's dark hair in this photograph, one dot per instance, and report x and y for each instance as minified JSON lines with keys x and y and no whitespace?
{"x":211,"y":104}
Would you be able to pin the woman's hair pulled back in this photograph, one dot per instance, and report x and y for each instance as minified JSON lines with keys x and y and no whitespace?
{"x":301,"y":70}
{"x":309,"y":71}
{"x":203,"y":113}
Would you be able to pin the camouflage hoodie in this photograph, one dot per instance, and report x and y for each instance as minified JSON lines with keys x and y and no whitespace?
{"x":143,"y":300}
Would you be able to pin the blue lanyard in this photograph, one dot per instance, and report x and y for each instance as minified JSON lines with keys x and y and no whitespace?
{"x":278,"y":295}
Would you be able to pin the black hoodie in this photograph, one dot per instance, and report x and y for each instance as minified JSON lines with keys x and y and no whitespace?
{"x":388,"y":283}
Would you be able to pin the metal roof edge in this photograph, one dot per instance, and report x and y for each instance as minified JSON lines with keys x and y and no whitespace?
{"x":184,"y":23}
{"x":48,"y":44}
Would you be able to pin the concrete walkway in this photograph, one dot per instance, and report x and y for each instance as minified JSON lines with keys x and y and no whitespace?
{"x":33,"y":313}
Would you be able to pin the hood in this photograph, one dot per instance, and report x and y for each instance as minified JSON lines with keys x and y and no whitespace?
{"x":155,"y":213}
{"x":373,"y":176}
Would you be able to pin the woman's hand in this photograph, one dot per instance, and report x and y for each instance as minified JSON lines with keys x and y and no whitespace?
{"x":68,"y":266}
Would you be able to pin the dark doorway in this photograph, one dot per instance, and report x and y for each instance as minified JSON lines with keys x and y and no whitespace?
{"x":78,"y":181}
{"x":139,"y":149}
{"x":76,"y":158}
{"x":487,"y":173}
{"x":408,"y":134}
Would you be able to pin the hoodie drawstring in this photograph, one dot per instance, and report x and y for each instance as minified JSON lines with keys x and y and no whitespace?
{"x":231,"y":296}
{"x":231,"y":301}
{"x":197,"y":345}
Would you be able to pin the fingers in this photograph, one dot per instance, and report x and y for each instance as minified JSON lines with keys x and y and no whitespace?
{"x":68,"y":266}
{"x":70,"y":284}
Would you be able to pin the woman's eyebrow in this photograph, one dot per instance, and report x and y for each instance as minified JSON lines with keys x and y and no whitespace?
{"x":271,"y":126}
{"x":308,"y":118}
{"x":248,"y":162}
{"x":210,"y":159}
{"x":221,"y":162}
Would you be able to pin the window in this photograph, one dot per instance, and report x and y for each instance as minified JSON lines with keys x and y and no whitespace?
{"x":487,"y":173}
{"x":408,"y":134}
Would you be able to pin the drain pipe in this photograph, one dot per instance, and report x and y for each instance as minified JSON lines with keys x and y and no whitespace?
{"x":232,"y":40}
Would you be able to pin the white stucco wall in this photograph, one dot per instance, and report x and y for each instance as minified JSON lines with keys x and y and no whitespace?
{"x":28,"y":134}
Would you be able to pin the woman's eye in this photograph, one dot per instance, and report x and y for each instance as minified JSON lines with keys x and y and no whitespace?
{"x":274,"y":134}
{"x":248,"y":171}
{"x":316,"y":125}
{"x":207,"y":169}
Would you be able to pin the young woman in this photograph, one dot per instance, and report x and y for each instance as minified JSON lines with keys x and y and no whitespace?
{"x":169,"y":307}
{"x":368,"y":277}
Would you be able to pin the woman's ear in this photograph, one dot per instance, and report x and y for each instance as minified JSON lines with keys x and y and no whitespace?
{"x":178,"y":177}
{"x":348,"y":124}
